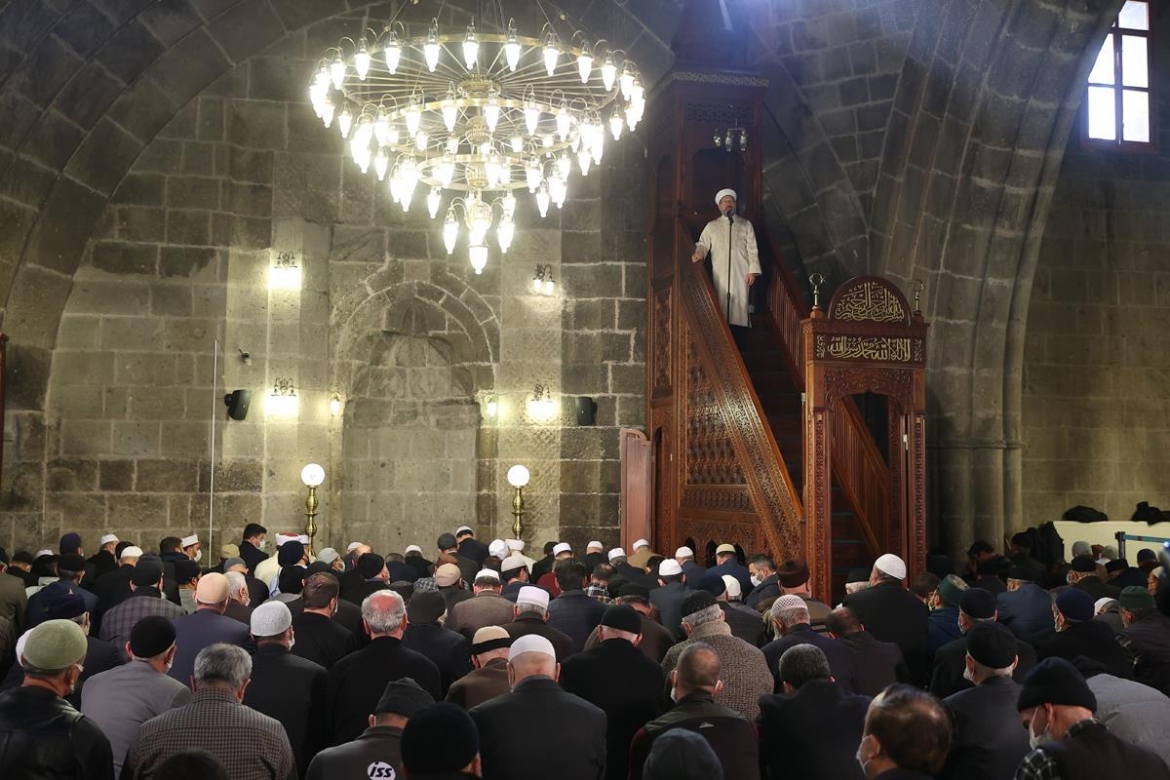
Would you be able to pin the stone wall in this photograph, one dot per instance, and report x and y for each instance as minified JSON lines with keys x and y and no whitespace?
{"x":1097,"y":361}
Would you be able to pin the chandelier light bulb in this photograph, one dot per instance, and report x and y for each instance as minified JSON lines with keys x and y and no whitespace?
{"x":381,"y":163}
{"x":509,"y":205}
{"x":551,"y":53}
{"x":518,"y":476}
{"x":531,"y":115}
{"x":434,"y":198}
{"x":491,"y":113}
{"x":445,"y":171}
{"x":393,"y":54}
{"x":542,"y":200}
{"x":638,"y":91}
{"x":361,"y":60}
{"x":382,"y":127}
{"x":626,"y":81}
{"x":608,"y":72}
{"x":585,"y":63}
{"x":557,"y":190}
{"x":504,"y":234}
{"x":478,"y":253}
{"x":337,"y":71}
{"x":450,"y":231}
{"x":512,"y":47}
{"x":597,"y":148}
{"x":450,"y":111}
{"x":564,"y":122}
{"x":327,"y":112}
{"x":548,"y":141}
{"x":413,"y":117}
{"x":470,"y":47}
{"x":584,"y":159}
{"x":345,"y":122}
{"x":564,"y":165}
{"x":532,"y":174}
{"x":616,"y":124}
{"x":420,"y":140}
{"x":452,"y":145}
{"x":492,"y":169}
{"x":517,"y":144}
{"x":431,"y":47}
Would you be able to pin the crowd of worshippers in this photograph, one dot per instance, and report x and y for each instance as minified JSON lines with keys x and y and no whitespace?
{"x":473,"y":660}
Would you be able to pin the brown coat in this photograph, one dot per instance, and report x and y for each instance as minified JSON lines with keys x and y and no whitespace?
{"x":487,"y":608}
{"x":656,"y":640}
{"x":481,"y":685}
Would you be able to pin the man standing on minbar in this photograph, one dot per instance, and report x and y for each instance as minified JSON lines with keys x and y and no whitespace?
{"x":735,"y":260}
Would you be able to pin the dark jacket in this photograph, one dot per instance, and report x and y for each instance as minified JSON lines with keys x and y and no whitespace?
{"x":474,"y":550}
{"x":1148,"y":641}
{"x":39,"y":603}
{"x":987,"y":742}
{"x":942,"y":627}
{"x":731,"y":736}
{"x":358,"y":593}
{"x":42,"y":737}
{"x":1098,"y":589}
{"x":1026,"y":611}
{"x":811,"y":733}
{"x":656,"y":640}
{"x":198,"y":630}
{"x":575,"y":614}
{"x":694,"y":573}
{"x":238,"y":612}
{"x":1094,"y":640}
{"x":747,"y":624}
{"x":569,"y":731}
{"x":893,"y":614}
{"x":735,"y":569}
{"x":768,"y":589}
{"x":446,"y":648}
{"x":357,"y":681}
{"x":253,"y":556}
{"x":1088,"y":750}
{"x":626,"y":685}
{"x":480,"y":685}
{"x":376,"y":745}
{"x":529,"y":623}
{"x":113,"y":587}
{"x":291,"y":690}
{"x":320,"y":639}
{"x":100,"y":656}
{"x":669,"y":599}
{"x":951,"y":660}
{"x":840,"y":656}
{"x":876,"y":664}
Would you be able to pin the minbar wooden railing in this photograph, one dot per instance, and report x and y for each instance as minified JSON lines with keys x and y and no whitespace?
{"x":858,"y":465}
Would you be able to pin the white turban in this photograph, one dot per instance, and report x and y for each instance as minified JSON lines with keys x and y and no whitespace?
{"x":719,"y":195}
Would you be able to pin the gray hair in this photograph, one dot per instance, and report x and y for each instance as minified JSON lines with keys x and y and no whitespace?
{"x":987,"y":671}
{"x":704,"y":615}
{"x":618,"y":560}
{"x":237,"y":584}
{"x":222,"y":663}
{"x":803,"y":663}
{"x":383,"y":611}
{"x":522,"y":607}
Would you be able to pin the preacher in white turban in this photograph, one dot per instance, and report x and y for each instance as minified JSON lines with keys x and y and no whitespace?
{"x":735,"y":259}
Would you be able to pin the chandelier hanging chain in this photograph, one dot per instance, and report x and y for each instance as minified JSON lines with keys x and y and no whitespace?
{"x":477,"y":112}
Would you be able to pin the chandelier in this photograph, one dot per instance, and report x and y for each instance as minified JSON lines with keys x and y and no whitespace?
{"x":466,"y":118}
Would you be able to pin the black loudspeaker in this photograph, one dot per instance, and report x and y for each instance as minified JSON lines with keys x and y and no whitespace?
{"x":237,"y":403}
{"x":586,"y":408}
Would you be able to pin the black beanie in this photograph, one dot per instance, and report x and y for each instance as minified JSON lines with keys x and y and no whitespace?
{"x":680,"y":754}
{"x":1055,"y":681}
{"x":370,"y":565}
{"x":439,"y":738}
{"x":151,"y":635}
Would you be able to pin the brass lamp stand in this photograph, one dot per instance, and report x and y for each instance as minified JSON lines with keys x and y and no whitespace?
{"x":312,"y":476}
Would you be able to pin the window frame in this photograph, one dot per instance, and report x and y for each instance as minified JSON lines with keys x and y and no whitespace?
{"x":1120,"y":145}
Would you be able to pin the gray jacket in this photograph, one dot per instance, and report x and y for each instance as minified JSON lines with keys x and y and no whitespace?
{"x":125,"y":697}
{"x":1133,"y":712}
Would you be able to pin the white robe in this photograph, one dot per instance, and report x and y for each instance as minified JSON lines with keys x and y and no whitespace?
{"x":745,"y":259}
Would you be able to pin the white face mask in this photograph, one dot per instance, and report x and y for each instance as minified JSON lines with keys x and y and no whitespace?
{"x":967,"y":675}
{"x":1034,"y":739}
{"x":862,"y":761}
{"x":755,"y":581}
{"x":263,"y":545}
{"x":198,"y":556}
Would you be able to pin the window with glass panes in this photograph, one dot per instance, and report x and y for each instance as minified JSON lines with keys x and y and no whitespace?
{"x":1119,"y":105}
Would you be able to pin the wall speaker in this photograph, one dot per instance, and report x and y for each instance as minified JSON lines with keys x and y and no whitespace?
{"x":237,"y":403}
{"x":586,"y":409}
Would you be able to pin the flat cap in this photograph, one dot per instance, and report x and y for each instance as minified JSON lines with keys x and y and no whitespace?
{"x":446,"y":575}
{"x":725,"y":548}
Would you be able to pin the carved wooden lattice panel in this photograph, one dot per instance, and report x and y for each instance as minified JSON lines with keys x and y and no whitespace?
{"x":711,"y":458}
{"x":662,"y":375}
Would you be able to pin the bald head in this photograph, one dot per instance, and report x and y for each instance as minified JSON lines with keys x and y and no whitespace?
{"x":698,"y":670}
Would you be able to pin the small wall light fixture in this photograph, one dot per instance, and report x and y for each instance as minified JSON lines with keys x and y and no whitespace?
{"x":491,"y":406}
{"x":541,"y":405}
{"x":542,"y":282}
{"x":282,"y":401}
{"x":284,"y":273}
{"x":335,"y":405}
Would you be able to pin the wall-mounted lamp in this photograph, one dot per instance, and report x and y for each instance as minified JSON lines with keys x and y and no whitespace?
{"x":282,"y":401}
{"x":727,"y":139}
{"x":245,"y":355}
{"x":312,"y":475}
{"x":518,"y":477}
{"x":542,"y":282}
{"x":335,"y":405}
{"x":491,"y":406}
{"x":541,"y":405}
{"x":284,"y":273}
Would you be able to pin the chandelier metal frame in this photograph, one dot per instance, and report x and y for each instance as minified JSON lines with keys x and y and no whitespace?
{"x":477,"y":114}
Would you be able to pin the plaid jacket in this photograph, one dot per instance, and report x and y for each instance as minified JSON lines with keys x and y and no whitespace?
{"x":120,"y":621}
{"x":250,"y":746}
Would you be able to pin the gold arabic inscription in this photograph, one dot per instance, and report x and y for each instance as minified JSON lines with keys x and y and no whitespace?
{"x":870,"y":302}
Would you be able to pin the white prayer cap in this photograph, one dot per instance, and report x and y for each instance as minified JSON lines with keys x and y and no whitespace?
{"x":562,"y":547}
{"x":512,"y":563}
{"x":719,"y":195}
{"x":281,"y":538}
{"x":42,"y":554}
{"x":20,"y":645}
{"x":891,"y":565}
{"x":187,"y":541}
{"x":516,"y":545}
{"x":131,"y":552}
{"x":413,"y":548}
{"x":498,"y":549}
{"x":531,"y":643}
{"x":271,"y":618}
{"x":594,"y":545}
{"x":537,"y":597}
{"x":303,"y":539}
{"x":464,"y":529}
{"x":788,"y":602}
{"x":352,"y":545}
{"x":669,"y":568}
{"x":1102,"y":561}
{"x":1099,"y":603}
{"x":328,"y":555}
{"x":107,"y":539}
{"x":490,"y":574}
{"x":617,"y":552}
{"x":731,"y":584}
{"x":684,"y":552}
{"x":641,"y":543}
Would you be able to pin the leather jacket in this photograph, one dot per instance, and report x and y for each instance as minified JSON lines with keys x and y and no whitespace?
{"x":43,"y":737}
